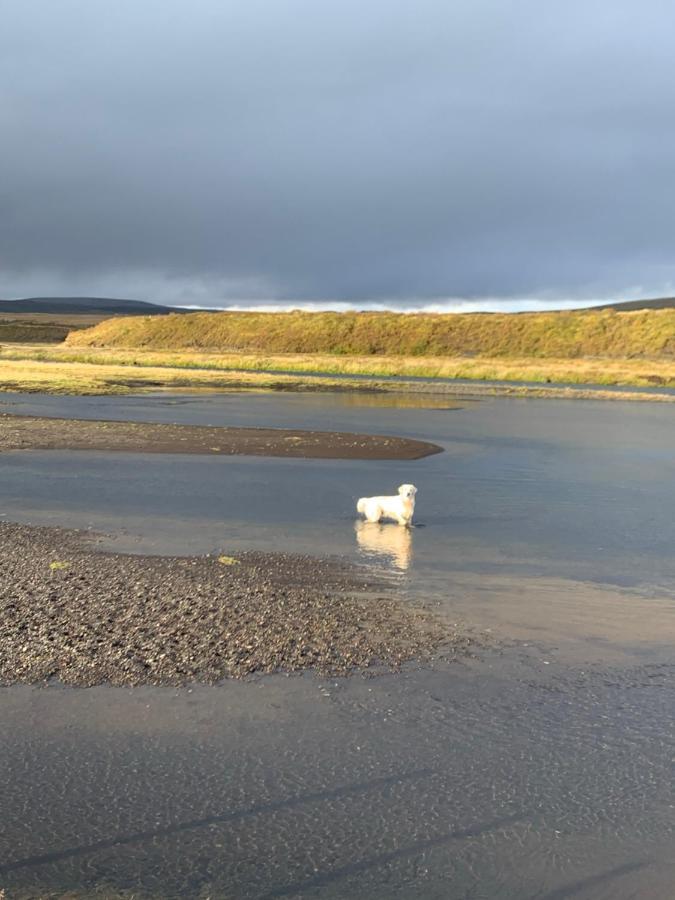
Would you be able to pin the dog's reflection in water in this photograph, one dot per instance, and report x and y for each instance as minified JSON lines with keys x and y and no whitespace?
{"x":390,"y":541}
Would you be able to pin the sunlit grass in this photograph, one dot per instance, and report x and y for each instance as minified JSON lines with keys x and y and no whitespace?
{"x":69,"y":377}
{"x":555,"y":335}
{"x":60,"y":370}
{"x":196,"y":365}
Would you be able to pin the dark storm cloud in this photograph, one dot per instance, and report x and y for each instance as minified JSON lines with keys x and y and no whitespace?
{"x":397,"y":151}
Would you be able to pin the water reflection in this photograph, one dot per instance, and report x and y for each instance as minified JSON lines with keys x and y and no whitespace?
{"x":383,"y":399}
{"x":393,"y":542}
{"x":394,"y":400}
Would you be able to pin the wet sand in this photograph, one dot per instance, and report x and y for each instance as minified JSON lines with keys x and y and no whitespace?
{"x":41,"y":433}
{"x":89,"y":618}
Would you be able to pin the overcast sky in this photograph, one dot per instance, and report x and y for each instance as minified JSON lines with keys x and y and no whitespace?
{"x":234,"y":152}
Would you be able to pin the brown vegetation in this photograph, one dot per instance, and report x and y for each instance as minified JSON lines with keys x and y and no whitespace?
{"x":560,"y":335}
{"x":60,"y":370}
{"x":46,"y":328}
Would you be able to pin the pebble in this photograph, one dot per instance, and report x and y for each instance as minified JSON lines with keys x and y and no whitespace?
{"x":130,"y":620}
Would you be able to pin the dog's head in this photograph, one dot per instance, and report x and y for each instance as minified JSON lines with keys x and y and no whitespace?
{"x":407,"y":491}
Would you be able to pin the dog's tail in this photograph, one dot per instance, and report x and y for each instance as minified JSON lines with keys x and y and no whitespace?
{"x":361,"y":505}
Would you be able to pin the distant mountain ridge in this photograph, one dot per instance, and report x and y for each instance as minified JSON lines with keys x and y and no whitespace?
{"x":630,"y":305}
{"x":73,"y":305}
{"x":116,"y":306}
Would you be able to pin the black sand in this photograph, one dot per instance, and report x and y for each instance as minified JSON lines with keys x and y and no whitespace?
{"x":86,"y":618}
{"x":41,"y":433}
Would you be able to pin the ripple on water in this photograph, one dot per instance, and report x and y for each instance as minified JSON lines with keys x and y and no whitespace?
{"x":510,"y":786}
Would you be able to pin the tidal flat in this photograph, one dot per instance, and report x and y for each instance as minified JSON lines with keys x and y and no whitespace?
{"x":84,"y":618}
{"x":539,"y":765}
{"x":44,"y":433}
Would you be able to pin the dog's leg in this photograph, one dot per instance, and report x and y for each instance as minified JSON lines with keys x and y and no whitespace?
{"x":373,"y":514}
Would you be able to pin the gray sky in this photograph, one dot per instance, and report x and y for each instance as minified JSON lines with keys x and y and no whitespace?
{"x":223,"y":152}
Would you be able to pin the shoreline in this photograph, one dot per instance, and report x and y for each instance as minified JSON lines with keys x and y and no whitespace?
{"x":18,"y":432}
{"x":85,"y":617}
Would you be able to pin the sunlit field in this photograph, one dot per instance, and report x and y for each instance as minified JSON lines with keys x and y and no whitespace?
{"x":65,"y":370}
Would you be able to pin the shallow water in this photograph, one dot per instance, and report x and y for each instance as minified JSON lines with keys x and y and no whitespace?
{"x":543,"y":769}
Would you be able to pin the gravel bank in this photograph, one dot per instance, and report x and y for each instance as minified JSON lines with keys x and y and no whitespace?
{"x":42,"y":433}
{"x":86,"y":618}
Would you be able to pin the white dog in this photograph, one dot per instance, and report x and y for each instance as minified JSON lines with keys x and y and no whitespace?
{"x":401,"y":507}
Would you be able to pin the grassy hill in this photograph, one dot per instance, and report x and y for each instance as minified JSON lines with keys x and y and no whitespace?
{"x":43,"y":328}
{"x":557,"y":335}
{"x":48,"y":320}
